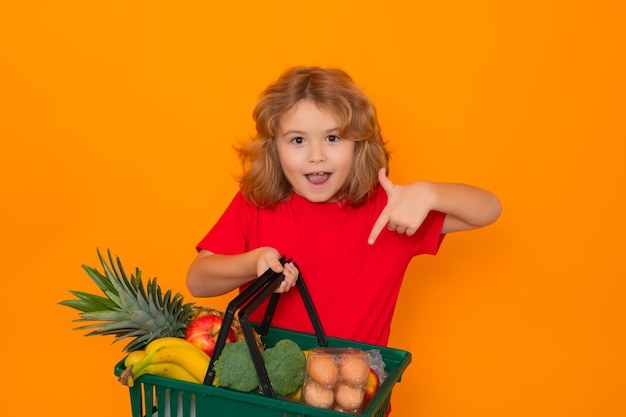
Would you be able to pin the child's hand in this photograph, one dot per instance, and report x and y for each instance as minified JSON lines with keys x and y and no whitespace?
{"x":291,"y":277}
{"x":270,"y":258}
{"x":407,"y":207}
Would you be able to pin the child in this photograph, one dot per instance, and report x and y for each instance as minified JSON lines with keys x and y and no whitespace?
{"x":315,"y":189}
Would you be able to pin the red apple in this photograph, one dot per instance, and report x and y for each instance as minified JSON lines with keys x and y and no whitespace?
{"x":204,"y":330}
{"x":373,"y":382}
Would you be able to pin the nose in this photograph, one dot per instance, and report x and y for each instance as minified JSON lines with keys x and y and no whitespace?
{"x":316,"y":153}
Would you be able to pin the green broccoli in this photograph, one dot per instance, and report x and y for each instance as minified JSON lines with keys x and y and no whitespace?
{"x":285,"y":364}
{"x":234,"y":368}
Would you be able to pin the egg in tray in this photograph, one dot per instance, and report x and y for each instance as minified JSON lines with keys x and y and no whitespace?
{"x":336,"y":379}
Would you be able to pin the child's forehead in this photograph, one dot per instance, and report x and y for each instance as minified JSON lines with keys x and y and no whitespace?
{"x":308,"y":106}
{"x":311,"y":114}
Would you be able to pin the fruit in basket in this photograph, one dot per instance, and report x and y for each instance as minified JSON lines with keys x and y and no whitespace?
{"x":204,"y":330}
{"x":170,"y":357}
{"x":373,"y":382}
{"x":134,"y":357}
{"x":129,"y":309}
{"x":168,"y":370}
{"x":211,"y":325}
{"x":134,"y":311}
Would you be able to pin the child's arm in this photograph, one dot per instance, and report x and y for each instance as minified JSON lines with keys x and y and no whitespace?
{"x":211,"y":274}
{"x":466,"y":206}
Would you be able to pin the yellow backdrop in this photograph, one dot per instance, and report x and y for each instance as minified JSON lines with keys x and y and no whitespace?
{"x":117,"y":121}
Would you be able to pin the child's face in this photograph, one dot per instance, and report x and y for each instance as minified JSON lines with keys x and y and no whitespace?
{"x":315,"y":160}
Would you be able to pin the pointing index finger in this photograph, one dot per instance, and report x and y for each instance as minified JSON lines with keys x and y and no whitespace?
{"x":382,"y":220}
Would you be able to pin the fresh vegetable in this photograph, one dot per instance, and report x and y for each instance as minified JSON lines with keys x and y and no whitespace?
{"x":285,"y":364}
{"x":234,"y":368}
{"x":297,"y":396}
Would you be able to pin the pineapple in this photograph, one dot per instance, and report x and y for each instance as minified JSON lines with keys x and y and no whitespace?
{"x":129,"y":310}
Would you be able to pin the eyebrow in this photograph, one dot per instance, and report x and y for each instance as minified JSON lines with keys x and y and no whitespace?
{"x":300,"y":132}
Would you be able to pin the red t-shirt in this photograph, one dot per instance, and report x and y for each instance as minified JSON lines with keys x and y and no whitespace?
{"x":354,"y":286}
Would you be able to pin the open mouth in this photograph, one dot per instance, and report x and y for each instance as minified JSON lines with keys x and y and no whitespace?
{"x":318,"y":177}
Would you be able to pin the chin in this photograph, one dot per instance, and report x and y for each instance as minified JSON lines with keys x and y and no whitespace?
{"x":320,"y":199}
{"x":316,"y":198}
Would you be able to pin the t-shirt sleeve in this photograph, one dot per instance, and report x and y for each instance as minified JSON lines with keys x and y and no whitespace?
{"x":429,"y":234}
{"x":229,"y":235}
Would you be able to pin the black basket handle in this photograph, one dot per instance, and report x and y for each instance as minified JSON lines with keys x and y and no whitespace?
{"x":246,"y":302}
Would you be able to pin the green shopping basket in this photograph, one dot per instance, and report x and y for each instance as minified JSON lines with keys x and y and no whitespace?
{"x":154,"y":396}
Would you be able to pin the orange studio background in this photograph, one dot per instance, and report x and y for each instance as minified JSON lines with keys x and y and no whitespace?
{"x":117,"y":121}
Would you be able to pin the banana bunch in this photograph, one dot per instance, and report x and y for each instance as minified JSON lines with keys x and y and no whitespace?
{"x":170,"y":357}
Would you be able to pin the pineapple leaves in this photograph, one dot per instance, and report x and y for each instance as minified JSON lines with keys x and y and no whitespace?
{"x":88,"y":302}
{"x":101,"y":281}
{"x":128,"y":308}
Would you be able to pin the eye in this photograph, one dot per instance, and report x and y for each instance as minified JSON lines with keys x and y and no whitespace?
{"x":333,"y":138}
{"x":298,"y":140}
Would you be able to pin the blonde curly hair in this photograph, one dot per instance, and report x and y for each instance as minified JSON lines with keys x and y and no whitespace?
{"x":263,"y":181}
